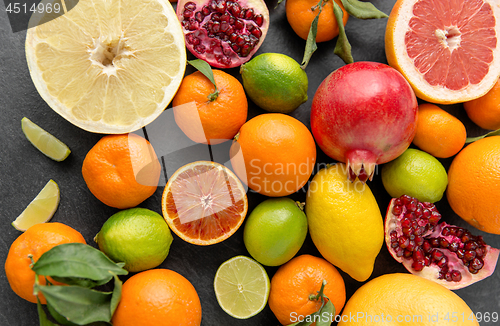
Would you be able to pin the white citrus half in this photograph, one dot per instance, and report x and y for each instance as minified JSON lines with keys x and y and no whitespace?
{"x":107,"y":66}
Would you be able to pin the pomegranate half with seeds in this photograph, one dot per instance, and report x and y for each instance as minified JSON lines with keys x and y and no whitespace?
{"x":225,"y":33}
{"x":444,"y":253}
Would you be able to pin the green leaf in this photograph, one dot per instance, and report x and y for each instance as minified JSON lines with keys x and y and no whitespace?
{"x":473,"y":139}
{"x":78,"y":305}
{"x":42,"y":316}
{"x":342,"y":47}
{"x":279,"y":1}
{"x":116,"y":296}
{"x":76,"y":264}
{"x":206,"y":70}
{"x":328,"y":309}
{"x":311,"y":38}
{"x":60,"y":319}
{"x":362,"y":10}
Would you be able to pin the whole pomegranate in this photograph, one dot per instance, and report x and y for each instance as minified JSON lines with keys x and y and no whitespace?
{"x":446,"y":254}
{"x":224,"y":33}
{"x":364,"y":114}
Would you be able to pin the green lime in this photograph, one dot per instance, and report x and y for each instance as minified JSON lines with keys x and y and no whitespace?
{"x":275,"y":231}
{"x":138,"y":237}
{"x":41,"y":208}
{"x":417,"y":174}
{"x":44,"y":141}
{"x":275,"y":82}
{"x":241,"y":287}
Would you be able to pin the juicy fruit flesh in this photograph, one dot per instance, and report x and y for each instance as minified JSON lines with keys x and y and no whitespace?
{"x":449,"y":47}
{"x":108,"y":64}
{"x":204,"y":203}
{"x":44,"y":141}
{"x":416,"y":238}
{"x":223,"y":32}
{"x":242,"y":287}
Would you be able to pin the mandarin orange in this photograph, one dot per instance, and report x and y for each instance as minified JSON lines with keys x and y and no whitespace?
{"x":121,"y":170}
{"x":301,"y":13}
{"x":33,"y":243}
{"x":474,"y":184}
{"x":206,"y":118}
{"x":159,"y":297}
{"x":438,"y":132}
{"x":485,"y":111}
{"x":274,"y":154}
{"x":299,"y":279}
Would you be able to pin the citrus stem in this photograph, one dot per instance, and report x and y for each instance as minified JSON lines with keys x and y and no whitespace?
{"x":300,"y":205}
{"x":212,"y":97}
{"x":320,"y":294}
{"x":320,"y":3}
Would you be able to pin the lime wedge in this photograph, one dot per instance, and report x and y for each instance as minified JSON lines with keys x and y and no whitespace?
{"x":242,"y":287}
{"x":41,"y":209}
{"x":44,"y":141}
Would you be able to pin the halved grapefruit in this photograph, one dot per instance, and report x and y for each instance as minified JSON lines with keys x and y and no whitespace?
{"x":204,"y":203}
{"x":447,"y":49}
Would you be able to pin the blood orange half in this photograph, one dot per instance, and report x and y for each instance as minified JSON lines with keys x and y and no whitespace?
{"x":447,"y":49}
{"x":204,"y":203}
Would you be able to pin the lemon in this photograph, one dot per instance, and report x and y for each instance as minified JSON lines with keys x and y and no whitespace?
{"x":241,"y":287}
{"x":275,"y":82}
{"x":417,"y":174}
{"x":44,"y":141}
{"x":41,"y":208}
{"x":138,"y":237}
{"x":275,"y":231}
{"x":107,"y":66}
{"x":406,"y":299}
{"x":345,"y":222}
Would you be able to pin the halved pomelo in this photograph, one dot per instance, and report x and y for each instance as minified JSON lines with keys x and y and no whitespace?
{"x":107,"y":66}
{"x":447,"y":49}
{"x":204,"y":203}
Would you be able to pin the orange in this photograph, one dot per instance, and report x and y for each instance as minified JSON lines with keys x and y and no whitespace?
{"x":447,"y":54}
{"x":485,"y":111}
{"x":474,"y":184}
{"x":121,"y":170}
{"x":405,"y":299}
{"x":297,"y":280}
{"x":301,"y":13}
{"x":206,"y":118}
{"x":35,"y":241}
{"x":204,"y":203}
{"x":159,"y":297}
{"x":438,"y":132}
{"x":274,"y":154}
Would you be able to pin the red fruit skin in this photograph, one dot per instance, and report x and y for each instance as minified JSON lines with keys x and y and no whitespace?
{"x":431,"y":272}
{"x":365,"y":113}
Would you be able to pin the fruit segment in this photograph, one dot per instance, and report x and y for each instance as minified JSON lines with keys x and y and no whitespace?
{"x":44,"y":141}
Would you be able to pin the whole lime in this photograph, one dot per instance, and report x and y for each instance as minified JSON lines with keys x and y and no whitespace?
{"x":275,"y":82}
{"x":138,"y":237}
{"x":275,"y":231}
{"x":417,"y":174}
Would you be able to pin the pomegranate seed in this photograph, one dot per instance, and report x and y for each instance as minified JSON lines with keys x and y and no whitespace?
{"x":235,"y":9}
{"x":393,"y":235}
{"x":460,"y":253}
{"x":405,"y":199}
{"x":224,"y":26}
{"x":215,"y":17}
{"x":466,"y":237}
{"x":453,"y":246}
{"x":426,"y":246}
{"x":469,"y":255}
{"x":411,"y":245}
{"x":412,"y":206}
{"x":456,"y":276}
{"x":239,"y":24}
{"x":408,"y":253}
{"x":412,"y":237}
{"x":459,"y":232}
{"x":190,"y":38}
{"x":215,"y":27}
{"x":206,"y":10}
{"x":447,"y":277}
{"x":434,"y":242}
{"x":435,"y":217}
{"x":259,"y":20}
{"x":200,"y":48}
{"x":230,"y":30}
{"x":443,"y":243}
{"x":471,"y":245}
{"x":190,"y":6}
{"x":419,"y":241}
{"x":426,"y":214}
{"x":240,"y":41}
{"x":437,"y":255}
{"x":453,"y":230}
{"x":394,"y":244}
{"x":193,"y":25}
{"x":442,"y":262}
{"x":445,"y":231}
{"x":250,"y":27}
{"x":480,"y":252}
{"x":397,"y":202}
{"x":237,"y":49}
{"x":199,"y":16}
{"x":418,"y":265}
{"x":427,"y":261}
{"x":403,"y":242}
{"x":225,"y":17}
{"x":405,"y":222}
{"x":185,"y":23}
{"x":187,"y":13}
{"x":477,"y":263}
{"x":233,"y":37}
{"x":396,"y":210}
{"x":472,"y":270}
{"x":242,"y":13}
{"x":399,"y":252}
{"x":249,"y":14}
{"x":221,"y":6}
{"x":418,"y":255}
{"x":213,"y":5}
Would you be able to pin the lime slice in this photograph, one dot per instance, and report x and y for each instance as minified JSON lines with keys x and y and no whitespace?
{"x":242,"y":287}
{"x":41,"y":209}
{"x":44,"y":141}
